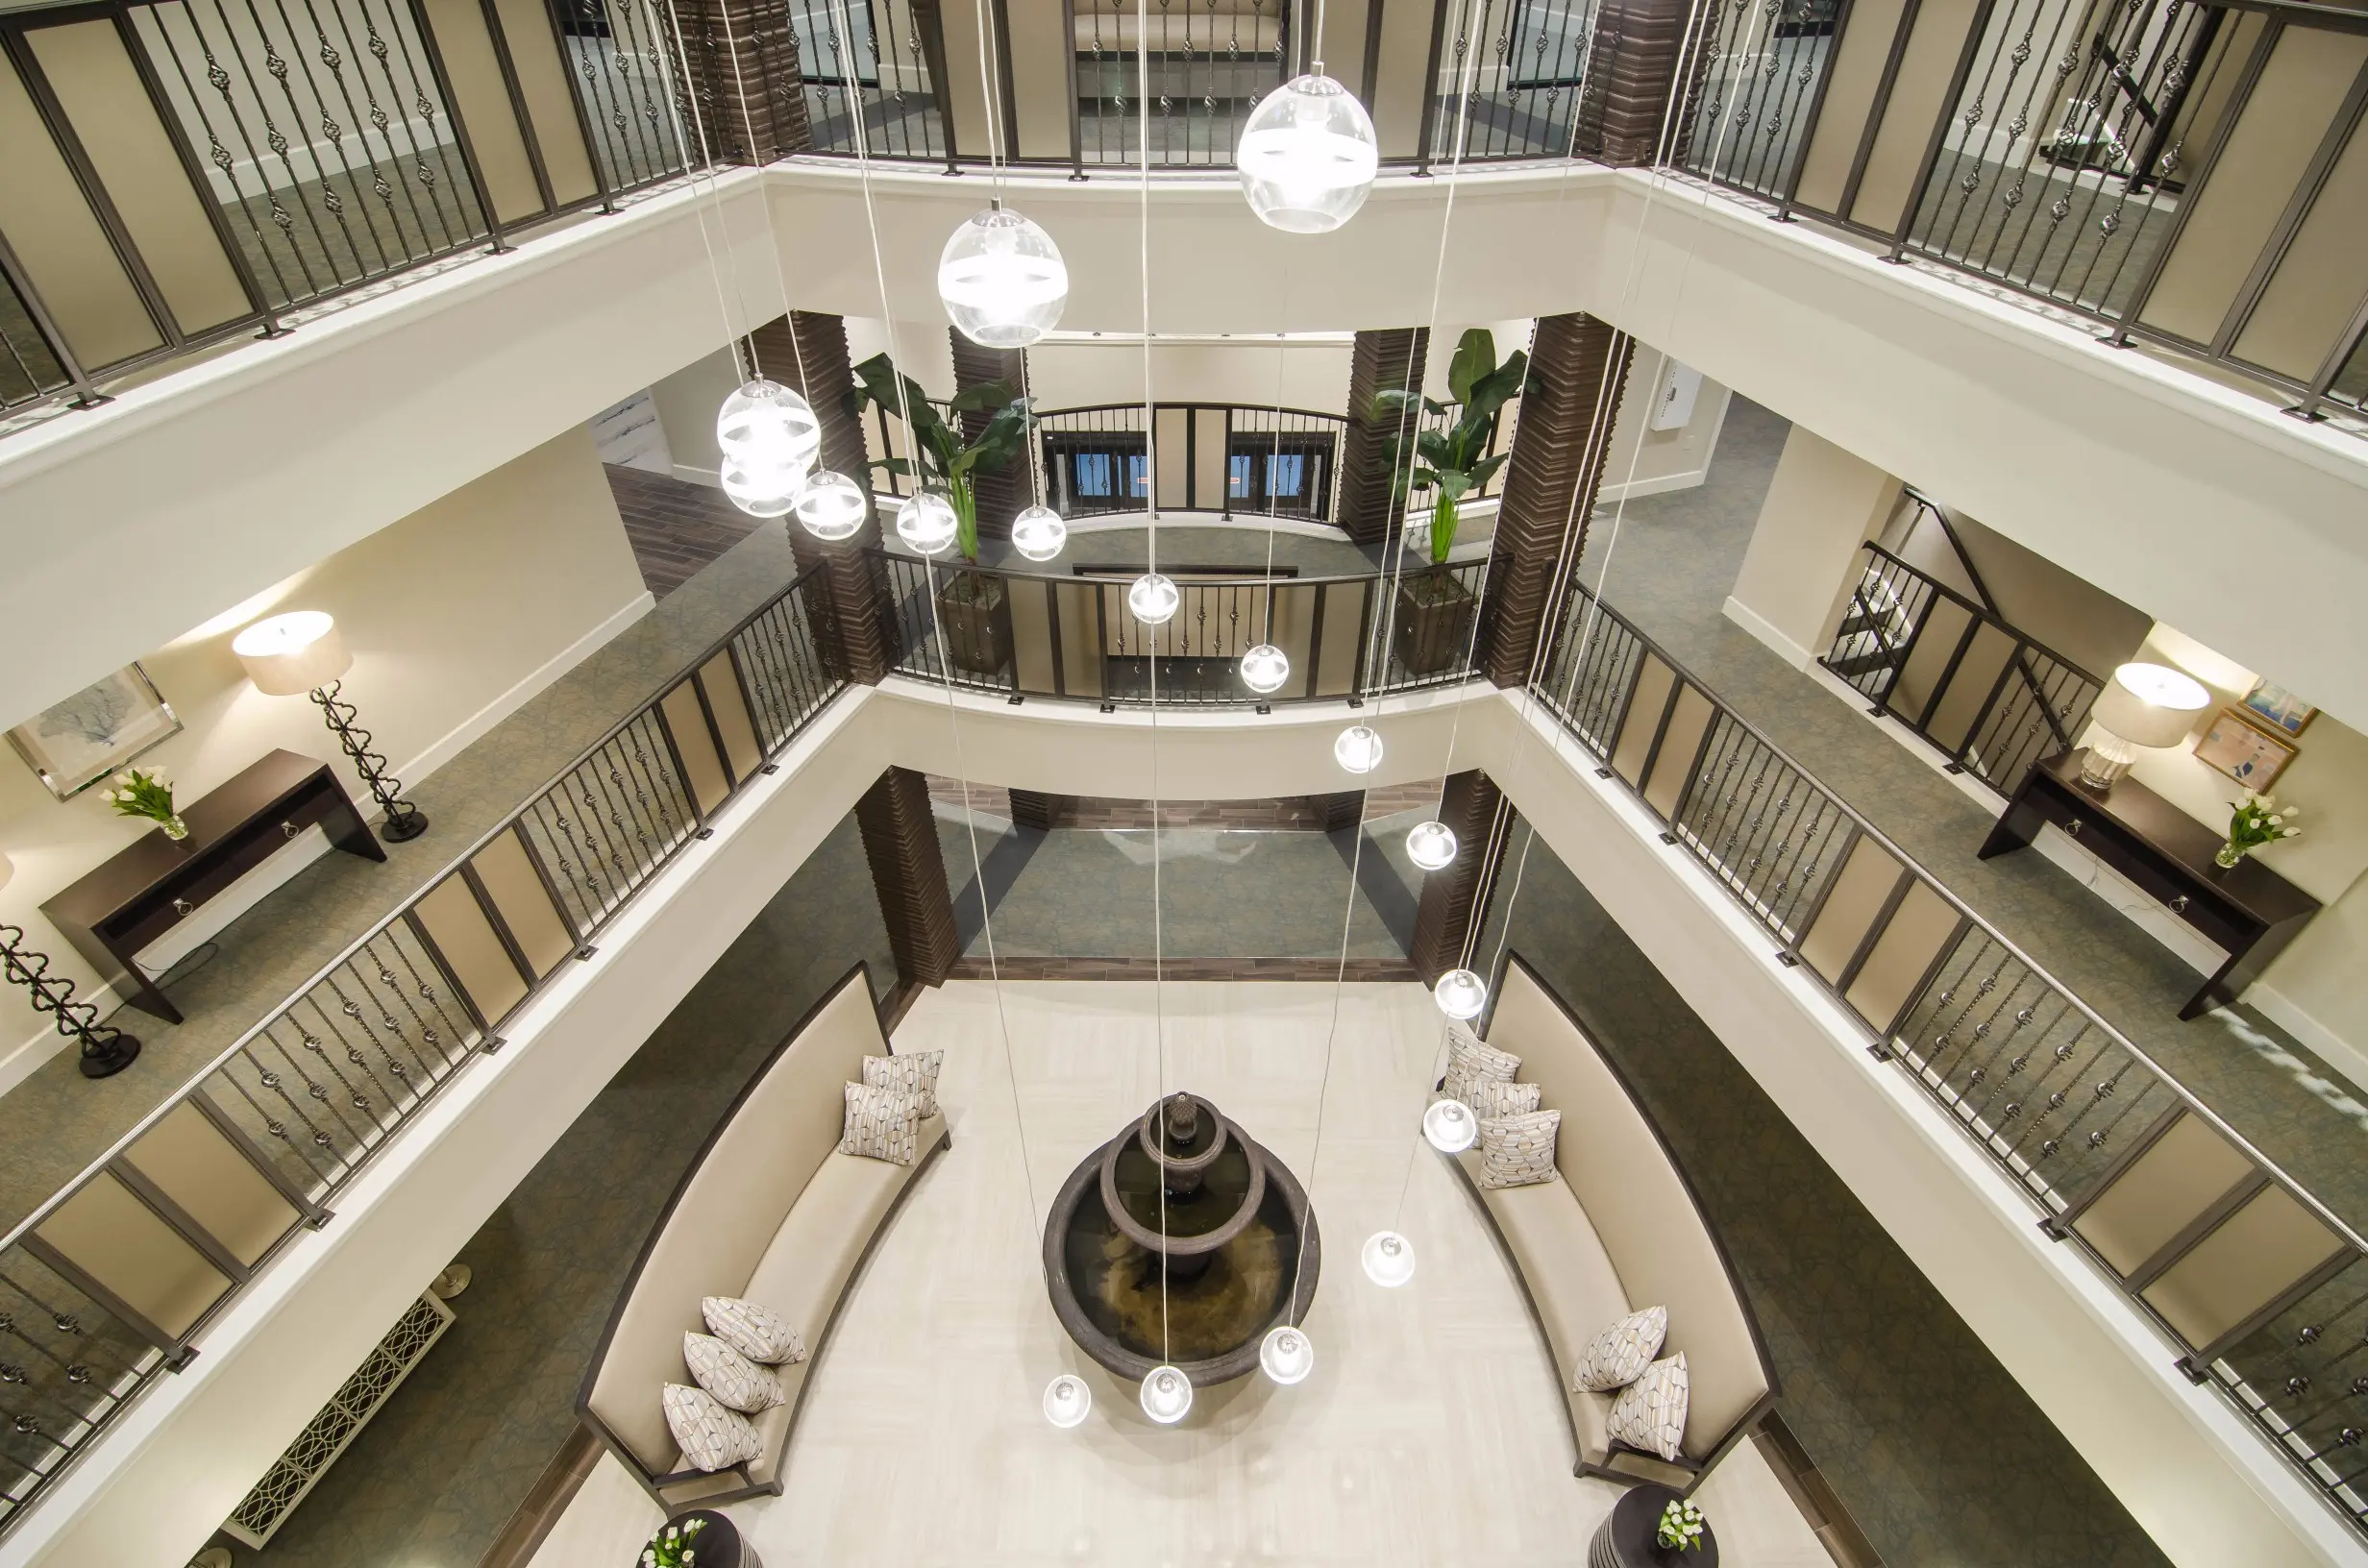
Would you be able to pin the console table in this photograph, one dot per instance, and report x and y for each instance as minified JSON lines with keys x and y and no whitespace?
{"x":155,"y":884}
{"x":2248,"y":911}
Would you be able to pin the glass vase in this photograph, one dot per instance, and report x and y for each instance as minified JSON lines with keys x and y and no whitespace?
{"x":174,"y":828}
{"x":2227,"y":855}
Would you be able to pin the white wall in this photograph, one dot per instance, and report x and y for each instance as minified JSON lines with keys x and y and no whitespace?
{"x":455,"y":615}
{"x":686,"y":403}
{"x":1643,"y":461}
{"x":1310,"y":373}
{"x":1802,"y":560}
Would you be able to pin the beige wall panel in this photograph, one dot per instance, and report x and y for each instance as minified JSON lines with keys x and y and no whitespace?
{"x":1654,"y":678}
{"x":551,"y":103}
{"x":2258,"y":1252}
{"x":2184,"y":1172}
{"x":1039,"y":90}
{"x":2316,"y":287}
{"x":1919,"y":928}
{"x":194,"y":1164}
{"x":1395,"y":94}
{"x":1851,"y":81}
{"x":2305,"y":80}
{"x":732,"y":714}
{"x":525,"y":908}
{"x":702,"y":768}
{"x":1859,"y":888}
{"x":1690,"y":718}
{"x":100,"y":89}
{"x":484,"y":105}
{"x":1920,"y":678}
{"x":1031,"y":631}
{"x":1172,"y":455}
{"x":472,"y":951}
{"x":1077,"y":604}
{"x":1977,"y":672}
{"x":1209,"y":490}
{"x":1339,"y":640}
{"x":1924,"y":72}
{"x":60,"y":242}
{"x":962,"y":95}
{"x":1292,"y":607}
{"x":120,"y":1243}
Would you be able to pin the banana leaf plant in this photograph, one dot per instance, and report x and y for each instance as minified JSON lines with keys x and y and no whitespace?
{"x":948,"y":462}
{"x":1452,"y":463}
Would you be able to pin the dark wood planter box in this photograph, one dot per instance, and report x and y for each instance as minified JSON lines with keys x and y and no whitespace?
{"x":1628,"y":1539}
{"x":976,"y":631}
{"x":719,"y":1545}
{"x":1434,"y":623}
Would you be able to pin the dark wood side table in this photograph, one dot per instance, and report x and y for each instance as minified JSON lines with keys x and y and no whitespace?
{"x":1631,"y":1537}
{"x":155,"y":884}
{"x":2249,"y":911}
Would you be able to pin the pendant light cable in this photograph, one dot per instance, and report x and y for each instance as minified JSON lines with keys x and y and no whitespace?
{"x":780,"y":274}
{"x":673,"y":114}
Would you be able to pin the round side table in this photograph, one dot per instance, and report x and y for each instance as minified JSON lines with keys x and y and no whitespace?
{"x":719,"y":1544}
{"x":1626,"y":1538}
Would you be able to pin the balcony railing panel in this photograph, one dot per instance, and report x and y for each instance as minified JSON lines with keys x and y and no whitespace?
{"x":1232,"y":459}
{"x":1209,"y":62}
{"x":1506,"y":81}
{"x":873,"y":60}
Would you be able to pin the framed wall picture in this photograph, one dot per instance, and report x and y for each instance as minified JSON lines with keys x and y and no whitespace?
{"x":2254,"y":757}
{"x":2273,"y":707}
{"x":95,"y":732}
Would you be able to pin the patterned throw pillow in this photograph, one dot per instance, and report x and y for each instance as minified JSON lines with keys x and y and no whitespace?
{"x":908,"y":1075}
{"x":1518,"y":1151}
{"x":712,"y":1437}
{"x":754,"y":1330}
{"x":1618,"y":1356}
{"x":1650,"y":1413}
{"x":881,"y":1124}
{"x":1468,"y":1061}
{"x":1495,"y":1098}
{"x":736,"y":1382}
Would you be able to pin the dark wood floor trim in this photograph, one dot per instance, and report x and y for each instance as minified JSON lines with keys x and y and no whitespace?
{"x":1831,"y":1522}
{"x":545,"y":1500}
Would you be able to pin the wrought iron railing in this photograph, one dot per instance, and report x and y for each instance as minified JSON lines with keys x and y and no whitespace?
{"x":2184,"y":174}
{"x":881,"y":65}
{"x":1210,"y":61}
{"x":1506,"y":79}
{"x":1072,"y":636}
{"x":108,"y":1283}
{"x":1232,"y":459}
{"x":2260,"y":1288}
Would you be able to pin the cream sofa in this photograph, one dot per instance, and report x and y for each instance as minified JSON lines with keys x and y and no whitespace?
{"x":1620,"y":1229}
{"x":771,"y":1211}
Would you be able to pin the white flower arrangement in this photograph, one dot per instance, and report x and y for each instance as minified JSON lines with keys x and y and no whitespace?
{"x":672,"y":1548}
{"x":2256,"y":819}
{"x":1681,"y":1527}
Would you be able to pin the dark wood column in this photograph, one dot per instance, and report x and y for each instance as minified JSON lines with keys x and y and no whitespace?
{"x":1456,"y":895}
{"x":908,"y":871}
{"x":1345,"y":809}
{"x":1383,"y":361}
{"x":1623,"y":107}
{"x":851,"y":617}
{"x":1032,"y":808}
{"x":1006,"y":492}
{"x":742,"y":64}
{"x":1577,"y":366}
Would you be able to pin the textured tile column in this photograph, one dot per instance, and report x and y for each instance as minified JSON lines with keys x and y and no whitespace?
{"x":742,"y":65}
{"x":853,"y":616}
{"x":908,"y":871}
{"x":1634,"y":69}
{"x":1577,"y":366}
{"x":1453,"y":895}
{"x":1004,"y":492}
{"x":1382,"y":362}
{"x":1346,"y":809}
{"x":1032,"y":808}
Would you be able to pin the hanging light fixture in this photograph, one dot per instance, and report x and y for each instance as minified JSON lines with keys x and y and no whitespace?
{"x":1461,"y":994}
{"x":832,"y":506}
{"x":1265,"y":668}
{"x":1067,"y":1400}
{"x":926,"y":522}
{"x":1002,"y":279}
{"x":1308,"y":156}
{"x":1039,"y":532}
{"x":1287,"y":1354}
{"x":1450,"y":1126}
{"x":769,"y":438}
{"x":1358,"y":749}
{"x":1153,"y":598}
{"x":1431,"y":846}
{"x":1388,"y":1259}
{"x":1167,"y":1395}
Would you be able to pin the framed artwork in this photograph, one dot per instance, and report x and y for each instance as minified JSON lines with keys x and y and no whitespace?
{"x":95,"y":732}
{"x":2252,"y":757}
{"x":2275,"y":707}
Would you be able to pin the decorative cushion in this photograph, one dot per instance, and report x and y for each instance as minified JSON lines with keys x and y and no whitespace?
{"x":754,"y":1330}
{"x":914,"y":1074}
{"x":1518,"y":1151}
{"x":1650,"y":1413}
{"x":712,"y":1437}
{"x":1618,"y":1356}
{"x":881,"y":1124}
{"x":1495,"y":1098}
{"x":737,"y":1382}
{"x":1467,"y":1060}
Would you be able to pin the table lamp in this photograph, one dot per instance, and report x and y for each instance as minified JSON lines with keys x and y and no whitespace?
{"x":2143,"y":705}
{"x":106,"y":1051}
{"x":303,"y":653}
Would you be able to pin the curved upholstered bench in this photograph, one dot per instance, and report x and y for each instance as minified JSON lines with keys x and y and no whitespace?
{"x":1619,"y":1231}
{"x":771,"y":1211}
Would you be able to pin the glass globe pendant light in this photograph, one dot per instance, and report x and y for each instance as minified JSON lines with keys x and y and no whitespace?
{"x":1308,"y":156}
{"x":1153,"y":598}
{"x":1287,"y":1354}
{"x":1461,"y":994}
{"x":1431,"y":846}
{"x":926,"y":522}
{"x":1167,"y":1395}
{"x":1039,"y":532}
{"x":1358,"y":750}
{"x":1002,"y":279}
{"x":769,"y":438}
{"x":1450,"y":1126}
{"x":1265,"y":668}
{"x":1388,"y":1259}
{"x":832,"y":506}
{"x":1067,"y":1400}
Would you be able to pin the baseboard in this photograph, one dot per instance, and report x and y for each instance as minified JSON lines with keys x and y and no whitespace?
{"x":2322,"y":1041}
{"x":457,"y":739}
{"x":1751,"y":621}
{"x":29,"y":1056}
{"x":1663,"y":484}
{"x":711,"y":478}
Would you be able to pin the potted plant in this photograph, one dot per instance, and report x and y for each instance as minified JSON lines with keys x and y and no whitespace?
{"x":2256,"y":820}
{"x":1434,"y":611}
{"x":145,"y":791}
{"x":702,"y":1538}
{"x":972,"y":613}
